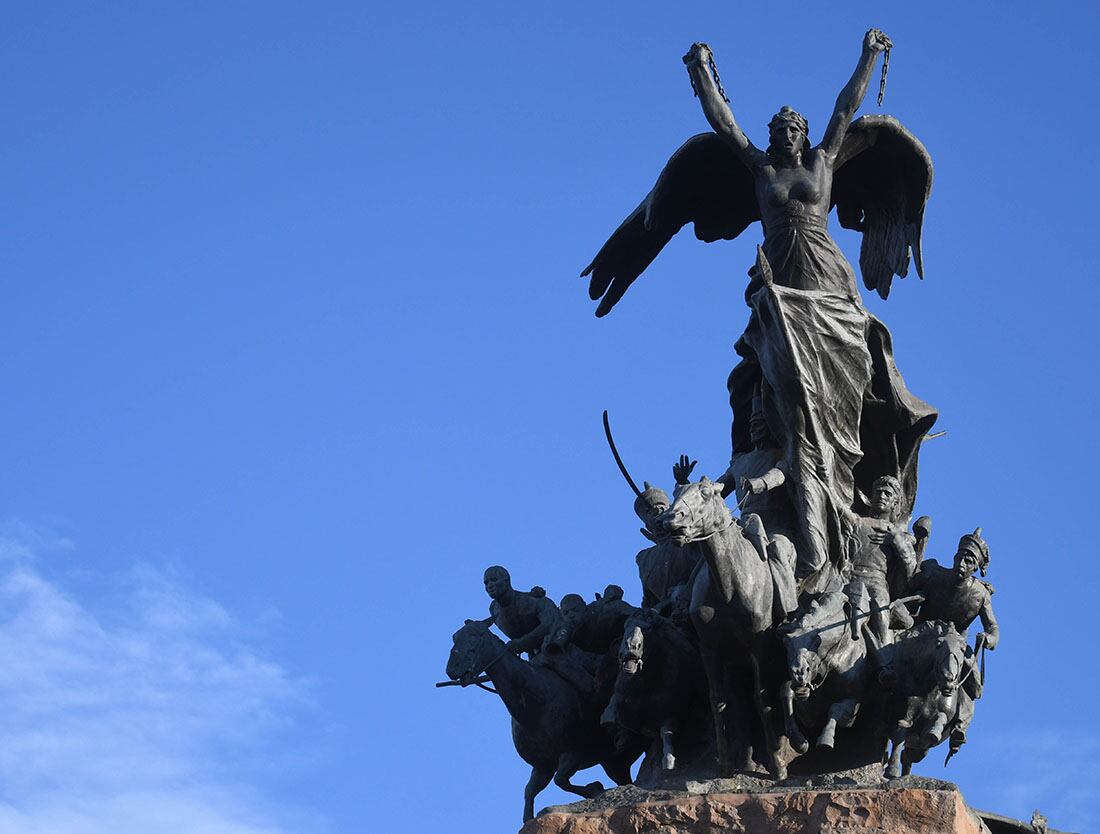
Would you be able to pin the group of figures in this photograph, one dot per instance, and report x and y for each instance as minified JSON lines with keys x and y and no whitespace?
{"x":812,"y":613}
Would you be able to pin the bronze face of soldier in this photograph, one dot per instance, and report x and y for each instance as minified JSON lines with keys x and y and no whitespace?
{"x":650,"y":505}
{"x":572,"y":607}
{"x":759,"y":433}
{"x":884,"y":496}
{"x":498,"y":583}
{"x":967,"y":561}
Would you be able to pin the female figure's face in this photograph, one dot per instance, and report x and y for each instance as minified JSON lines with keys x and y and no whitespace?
{"x":787,"y":139}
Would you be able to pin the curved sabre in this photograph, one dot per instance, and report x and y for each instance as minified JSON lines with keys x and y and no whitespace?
{"x":615,"y":452}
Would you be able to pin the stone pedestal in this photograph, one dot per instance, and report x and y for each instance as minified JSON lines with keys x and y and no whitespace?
{"x":928,"y":807}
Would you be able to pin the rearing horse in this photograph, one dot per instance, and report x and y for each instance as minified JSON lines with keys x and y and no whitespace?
{"x":740,"y":593}
{"x":555,"y":728}
{"x":826,"y":672}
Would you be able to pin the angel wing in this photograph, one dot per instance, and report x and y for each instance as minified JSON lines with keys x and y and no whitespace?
{"x":704,"y":183}
{"x":881,"y":183}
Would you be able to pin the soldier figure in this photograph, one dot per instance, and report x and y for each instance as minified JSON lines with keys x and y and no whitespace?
{"x":956,"y":597}
{"x":882,"y":549}
{"x":756,"y":476}
{"x":665,"y":567}
{"x":525,"y":617}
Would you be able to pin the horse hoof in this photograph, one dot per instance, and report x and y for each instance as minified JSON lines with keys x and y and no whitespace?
{"x":893,"y":772}
{"x":593,"y":789}
{"x":825,"y":742}
{"x":800,"y":744}
{"x":669,"y":762}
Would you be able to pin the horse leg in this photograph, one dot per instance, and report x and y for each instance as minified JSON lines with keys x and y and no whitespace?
{"x":618,"y":770}
{"x":712,"y":663}
{"x":911,"y":706}
{"x":909,"y":757}
{"x":897,"y":738}
{"x":540,"y":778}
{"x":842,"y":713}
{"x":569,"y":764}
{"x":610,"y":716}
{"x":764,"y":711}
{"x":794,"y":734}
{"x":668,"y":757}
{"x":935,"y":731}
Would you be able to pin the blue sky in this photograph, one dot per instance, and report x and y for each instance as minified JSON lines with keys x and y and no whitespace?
{"x":294,"y":347}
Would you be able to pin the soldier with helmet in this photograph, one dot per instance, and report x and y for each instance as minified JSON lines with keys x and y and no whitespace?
{"x":665,"y":568}
{"x":956,"y":597}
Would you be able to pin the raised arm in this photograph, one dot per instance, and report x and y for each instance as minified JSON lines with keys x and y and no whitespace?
{"x":851,"y":97}
{"x":717,"y":111}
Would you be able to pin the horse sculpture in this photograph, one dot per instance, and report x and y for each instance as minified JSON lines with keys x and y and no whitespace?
{"x":922,"y":713}
{"x":826,"y":674}
{"x":744,"y":588}
{"x":661,"y":685}
{"x":555,"y":729}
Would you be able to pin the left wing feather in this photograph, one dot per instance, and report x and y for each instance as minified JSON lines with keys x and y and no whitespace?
{"x":704,"y":183}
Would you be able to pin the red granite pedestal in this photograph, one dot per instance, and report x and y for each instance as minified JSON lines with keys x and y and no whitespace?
{"x":937,"y":809}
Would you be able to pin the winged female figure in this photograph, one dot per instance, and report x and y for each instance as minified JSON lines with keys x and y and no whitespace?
{"x":833,"y":398}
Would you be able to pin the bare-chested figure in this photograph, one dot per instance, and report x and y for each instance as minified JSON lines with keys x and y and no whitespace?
{"x":525,"y":617}
{"x":882,"y":547}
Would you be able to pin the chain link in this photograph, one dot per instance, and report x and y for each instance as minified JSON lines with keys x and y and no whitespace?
{"x":713,"y":66}
{"x":882,"y":82}
{"x":716,"y":76}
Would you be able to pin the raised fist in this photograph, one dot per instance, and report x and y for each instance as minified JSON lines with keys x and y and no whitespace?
{"x":699,"y":53}
{"x":876,"y":41}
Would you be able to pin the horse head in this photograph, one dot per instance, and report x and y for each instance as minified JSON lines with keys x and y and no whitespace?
{"x":803,"y":660}
{"x":949,"y":661}
{"x":632,"y":650}
{"x":475,"y":649}
{"x":697,"y":513}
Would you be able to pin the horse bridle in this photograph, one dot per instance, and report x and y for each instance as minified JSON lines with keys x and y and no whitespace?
{"x":691,"y":518}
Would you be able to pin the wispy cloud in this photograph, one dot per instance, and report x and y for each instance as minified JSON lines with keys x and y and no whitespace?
{"x":137,"y":709}
{"x":1058,"y":772}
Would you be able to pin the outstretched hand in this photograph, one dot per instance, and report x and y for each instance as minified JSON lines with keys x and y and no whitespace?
{"x":876,"y":41}
{"x":681,"y":471}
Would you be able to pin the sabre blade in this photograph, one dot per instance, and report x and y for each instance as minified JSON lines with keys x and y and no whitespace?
{"x":615,"y":452}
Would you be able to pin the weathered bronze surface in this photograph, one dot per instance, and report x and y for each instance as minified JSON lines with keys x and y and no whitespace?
{"x":802,"y":632}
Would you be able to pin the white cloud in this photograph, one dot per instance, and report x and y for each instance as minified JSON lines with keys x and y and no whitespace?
{"x":132,"y":711}
{"x":1057,"y":772}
